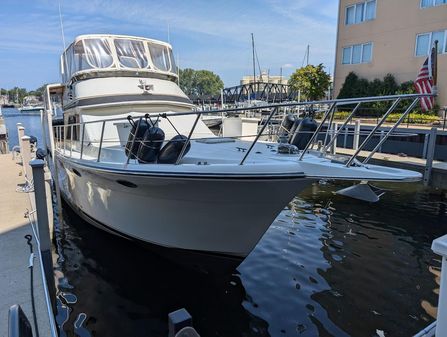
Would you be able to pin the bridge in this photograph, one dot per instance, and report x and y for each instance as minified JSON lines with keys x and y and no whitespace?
{"x":263,"y":91}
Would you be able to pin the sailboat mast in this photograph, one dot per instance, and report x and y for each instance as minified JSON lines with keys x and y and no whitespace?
{"x":308,"y":50}
{"x":253,"y":51}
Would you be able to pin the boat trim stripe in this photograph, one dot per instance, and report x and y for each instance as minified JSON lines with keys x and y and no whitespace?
{"x":129,"y":99}
{"x":193,"y":175}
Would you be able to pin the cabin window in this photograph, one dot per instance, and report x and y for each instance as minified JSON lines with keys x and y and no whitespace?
{"x":74,"y":119}
{"x":173,"y":65}
{"x":98,"y":53}
{"x":90,"y":54}
{"x":131,"y":53}
{"x":159,"y":56}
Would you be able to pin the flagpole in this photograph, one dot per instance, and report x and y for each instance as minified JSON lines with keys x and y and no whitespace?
{"x":435,"y":65}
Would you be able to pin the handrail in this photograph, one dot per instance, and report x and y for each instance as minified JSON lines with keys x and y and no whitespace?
{"x":273,"y":130}
{"x":102,"y":138}
{"x":390,"y":110}
{"x":391,"y":130}
{"x":317,"y":131}
{"x":187,"y":141}
{"x":342,"y":127}
{"x":133,"y":141}
{"x":258,"y":135}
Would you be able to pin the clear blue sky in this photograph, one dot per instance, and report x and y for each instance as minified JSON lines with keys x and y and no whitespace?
{"x":205,"y":34}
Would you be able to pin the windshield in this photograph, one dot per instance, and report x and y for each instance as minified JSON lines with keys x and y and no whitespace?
{"x":159,"y":56}
{"x":88,"y":54}
{"x":131,"y":53}
{"x":96,"y":53}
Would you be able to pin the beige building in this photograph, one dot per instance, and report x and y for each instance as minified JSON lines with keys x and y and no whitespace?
{"x":264,"y":77}
{"x":377,"y":37}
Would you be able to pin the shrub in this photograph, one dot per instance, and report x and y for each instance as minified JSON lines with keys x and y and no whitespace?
{"x":360,"y":87}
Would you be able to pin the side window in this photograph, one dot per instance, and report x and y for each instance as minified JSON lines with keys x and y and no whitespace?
{"x":159,"y":56}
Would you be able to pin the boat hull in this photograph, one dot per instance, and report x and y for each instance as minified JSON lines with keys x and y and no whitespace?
{"x":225,"y":216}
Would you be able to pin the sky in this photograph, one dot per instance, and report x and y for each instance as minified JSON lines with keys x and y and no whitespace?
{"x":205,"y":34}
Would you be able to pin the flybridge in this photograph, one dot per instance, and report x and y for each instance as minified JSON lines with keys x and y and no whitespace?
{"x":104,"y":55}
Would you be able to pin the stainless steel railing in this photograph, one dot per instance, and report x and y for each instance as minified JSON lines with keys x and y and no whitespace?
{"x":324,"y":130}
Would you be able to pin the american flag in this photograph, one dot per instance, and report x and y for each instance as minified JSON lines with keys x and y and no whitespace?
{"x":424,"y":82}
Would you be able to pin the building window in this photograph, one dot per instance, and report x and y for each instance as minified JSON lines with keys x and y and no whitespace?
{"x":424,"y":42}
{"x":360,"y":12}
{"x":358,"y":53}
{"x":431,"y":3}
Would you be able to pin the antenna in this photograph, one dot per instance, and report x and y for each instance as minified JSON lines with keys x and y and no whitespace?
{"x":169,"y":34}
{"x":308,"y":52}
{"x":178,"y":69}
{"x":306,"y":56}
{"x":63,"y":37}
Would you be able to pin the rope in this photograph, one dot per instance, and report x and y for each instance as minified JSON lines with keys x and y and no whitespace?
{"x":29,"y":238}
{"x":27,"y":188}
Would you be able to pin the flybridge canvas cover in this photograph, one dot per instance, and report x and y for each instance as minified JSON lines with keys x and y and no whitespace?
{"x":119,"y":53}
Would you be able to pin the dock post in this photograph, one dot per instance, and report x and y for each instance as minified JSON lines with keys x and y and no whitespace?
{"x":356,"y":140}
{"x":334,"y":138}
{"x":345,"y":138}
{"x":424,"y":150}
{"x":20,"y":134}
{"x":430,"y":155}
{"x":25,"y":150}
{"x":178,"y":320}
{"x":439,"y":246}
{"x":43,"y":226}
{"x":382,"y":134}
{"x":42,"y":130}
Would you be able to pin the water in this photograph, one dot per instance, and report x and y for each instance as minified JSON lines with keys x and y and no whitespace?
{"x":31,"y":122}
{"x":328,"y":266}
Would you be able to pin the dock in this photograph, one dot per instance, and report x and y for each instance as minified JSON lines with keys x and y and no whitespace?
{"x":15,"y":252}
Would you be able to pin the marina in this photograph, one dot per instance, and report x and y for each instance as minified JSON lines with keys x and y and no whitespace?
{"x":153,"y":185}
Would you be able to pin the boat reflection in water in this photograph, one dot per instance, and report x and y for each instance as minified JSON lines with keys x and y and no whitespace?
{"x":129,"y":291}
{"x":327,"y":266}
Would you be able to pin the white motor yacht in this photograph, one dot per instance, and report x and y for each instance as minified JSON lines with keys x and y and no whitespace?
{"x":133,"y":158}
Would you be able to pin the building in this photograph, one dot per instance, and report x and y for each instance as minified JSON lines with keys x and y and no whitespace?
{"x":377,"y":37}
{"x":264,"y":77}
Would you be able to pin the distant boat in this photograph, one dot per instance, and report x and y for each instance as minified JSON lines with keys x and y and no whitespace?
{"x":7,"y":106}
{"x":31,"y":108}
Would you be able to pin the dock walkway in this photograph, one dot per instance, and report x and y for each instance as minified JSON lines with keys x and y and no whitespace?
{"x":14,"y":251}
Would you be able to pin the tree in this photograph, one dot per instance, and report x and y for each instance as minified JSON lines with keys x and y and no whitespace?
{"x":200,"y":82}
{"x":312,"y":81}
{"x":348,"y":88}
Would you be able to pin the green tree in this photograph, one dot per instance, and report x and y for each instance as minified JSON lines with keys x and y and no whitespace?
{"x":312,"y":81}
{"x":348,"y":88}
{"x":389,"y":85}
{"x":200,"y":82}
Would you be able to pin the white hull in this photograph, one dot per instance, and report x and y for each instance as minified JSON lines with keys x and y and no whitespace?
{"x":215,"y":215}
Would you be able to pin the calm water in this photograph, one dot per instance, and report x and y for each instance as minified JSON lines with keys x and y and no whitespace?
{"x":328,"y":266}
{"x":31,"y":122}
